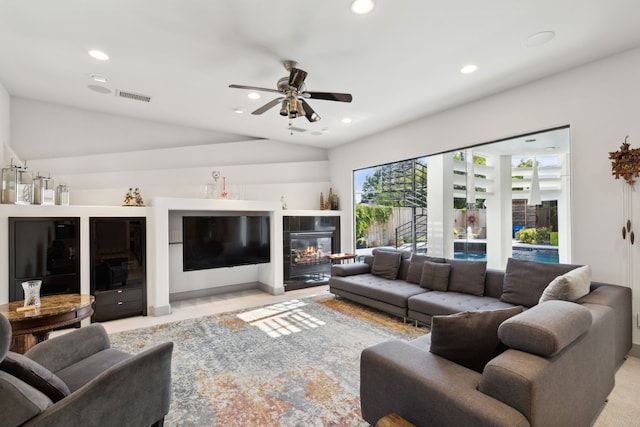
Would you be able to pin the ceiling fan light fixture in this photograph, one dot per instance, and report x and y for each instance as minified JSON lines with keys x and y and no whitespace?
{"x":293,"y":107}
{"x":362,"y":7}
{"x":284,"y":111}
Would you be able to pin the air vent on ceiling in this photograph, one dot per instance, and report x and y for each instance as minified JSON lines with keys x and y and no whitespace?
{"x":134,"y":96}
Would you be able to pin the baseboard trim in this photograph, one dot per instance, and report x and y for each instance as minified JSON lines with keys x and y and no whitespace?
{"x":635,"y":350}
{"x":160,"y":311}
{"x":202,"y":293}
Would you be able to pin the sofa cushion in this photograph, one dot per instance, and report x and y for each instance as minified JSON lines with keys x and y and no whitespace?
{"x":435,"y":276}
{"x":570,"y":286}
{"x":434,"y":303}
{"x":467,"y":276}
{"x":546,"y":328}
{"x":35,"y":375}
{"x":386,"y":264}
{"x":394,"y":292}
{"x":345,"y":270}
{"x":19,"y":402}
{"x":469,"y":338}
{"x":414,"y":275}
{"x":5,"y":336}
{"x":524,"y":281}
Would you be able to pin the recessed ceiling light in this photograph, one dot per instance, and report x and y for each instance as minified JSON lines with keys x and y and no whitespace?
{"x":539,"y":39}
{"x":468,"y":69}
{"x":362,"y":7}
{"x":550,"y":148}
{"x":238,"y":110}
{"x":98,"y":78}
{"x":99,"y":89}
{"x":346,"y":120}
{"x":254,"y":95}
{"x":97,"y":54}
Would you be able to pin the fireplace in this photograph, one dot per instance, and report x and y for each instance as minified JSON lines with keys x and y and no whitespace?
{"x":307,"y":242}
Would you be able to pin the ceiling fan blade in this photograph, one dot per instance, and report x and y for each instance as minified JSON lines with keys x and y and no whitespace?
{"x":268,"y":106}
{"x":296,"y":78}
{"x":311,"y":115}
{"x":329,"y":96}
{"x":254,"y":88}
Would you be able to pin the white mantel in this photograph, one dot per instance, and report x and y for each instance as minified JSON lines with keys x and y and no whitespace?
{"x":269,"y":276}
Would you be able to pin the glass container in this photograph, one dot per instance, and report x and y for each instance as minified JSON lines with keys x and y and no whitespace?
{"x":17,"y":185}
{"x":62,"y":195}
{"x":44,"y":191}
{"x":31,"y":290}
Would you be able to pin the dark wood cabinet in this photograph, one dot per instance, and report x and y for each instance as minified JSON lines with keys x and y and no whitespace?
{"x":118,"y":267}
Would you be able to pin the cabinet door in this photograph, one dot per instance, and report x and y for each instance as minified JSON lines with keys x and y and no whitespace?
{"x":118,"y":267}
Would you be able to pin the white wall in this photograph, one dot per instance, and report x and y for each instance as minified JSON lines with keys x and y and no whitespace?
{"x":265,"y":170}
{"x":5,"y":121}
{"x":600,"y":103}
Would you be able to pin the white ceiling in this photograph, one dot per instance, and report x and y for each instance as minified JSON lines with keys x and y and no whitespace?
{"x":400,"y":62}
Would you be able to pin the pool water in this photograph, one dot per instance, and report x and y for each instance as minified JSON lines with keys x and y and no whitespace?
{"x":551,"y":256}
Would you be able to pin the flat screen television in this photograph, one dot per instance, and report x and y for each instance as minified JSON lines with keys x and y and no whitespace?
{"x":46,"y":249}
{"x":224,"y":241}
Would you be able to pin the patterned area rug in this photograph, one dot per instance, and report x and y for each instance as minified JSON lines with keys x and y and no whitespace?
{"x":290,"y":364}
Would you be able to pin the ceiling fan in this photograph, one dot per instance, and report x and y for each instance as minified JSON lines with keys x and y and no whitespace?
{"x":293,"y":95}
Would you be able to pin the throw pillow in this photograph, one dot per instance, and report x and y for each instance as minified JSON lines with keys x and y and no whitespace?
{"x":36,"y":375}
{"x":469,"y":339}
{"x":570,"y":286}
{"x":435,"y":276}
{"x":524,"y":281}
{"x":467,"y":276}
{"x":414,"y":274}
{"x":386,"y":264}
{"x":546,"y":329}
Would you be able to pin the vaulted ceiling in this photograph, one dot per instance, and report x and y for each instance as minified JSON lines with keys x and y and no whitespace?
{"x":400,"y":62}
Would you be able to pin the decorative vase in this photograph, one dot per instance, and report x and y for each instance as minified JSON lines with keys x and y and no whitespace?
{"x":32,"y":292}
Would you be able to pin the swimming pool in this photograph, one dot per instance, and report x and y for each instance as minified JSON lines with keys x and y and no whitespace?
{"x":540,"y":255}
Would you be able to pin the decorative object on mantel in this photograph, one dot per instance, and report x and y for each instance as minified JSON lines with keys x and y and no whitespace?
{"x":224,"y":194}
{"x":211,"y":189}
{"x":284,"y":203}
{"x":44,"y":192}
{"x":133,"y":198}
{"x":17,"y":185}
{"x":331,"y":203}
{"x":62,"y":194}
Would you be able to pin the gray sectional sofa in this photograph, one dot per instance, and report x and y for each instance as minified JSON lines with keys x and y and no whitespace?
{"x":550,"y":362}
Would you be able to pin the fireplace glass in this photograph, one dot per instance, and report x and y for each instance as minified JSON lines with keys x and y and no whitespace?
{"x":309,"y":262}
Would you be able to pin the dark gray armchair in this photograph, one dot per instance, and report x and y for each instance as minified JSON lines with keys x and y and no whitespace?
{"x":77,"y":379}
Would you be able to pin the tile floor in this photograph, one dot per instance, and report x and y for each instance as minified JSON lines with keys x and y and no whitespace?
{"x":197,"y":307}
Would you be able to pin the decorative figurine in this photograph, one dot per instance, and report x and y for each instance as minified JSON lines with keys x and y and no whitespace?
{"x":133,"y":198}
{"x":284,"y":203}
{"x":128,"y":198}
{"x":138,"y":197}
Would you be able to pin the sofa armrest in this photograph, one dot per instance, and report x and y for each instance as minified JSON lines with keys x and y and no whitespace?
{"x":65,"y":350}
{"x":344,"y":270}
{"x":426,"y":390}
{"x":134,"y":392}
